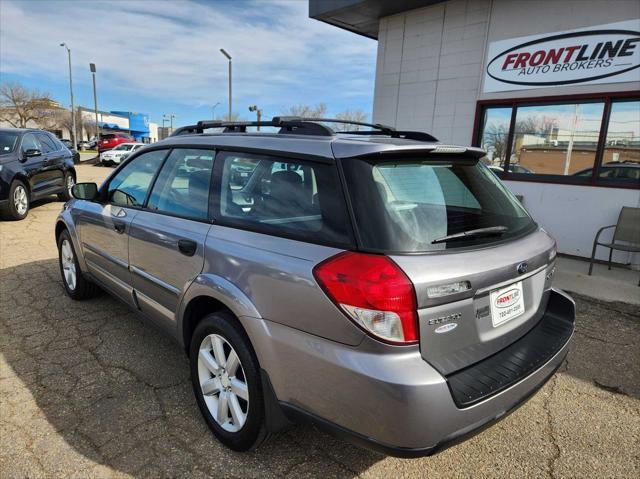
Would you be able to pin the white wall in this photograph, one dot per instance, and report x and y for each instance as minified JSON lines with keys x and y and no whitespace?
{"x":573,"y":214}
{"x":429,"y":68}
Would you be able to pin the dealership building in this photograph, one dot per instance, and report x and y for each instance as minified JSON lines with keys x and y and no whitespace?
{"x":550,"y":89}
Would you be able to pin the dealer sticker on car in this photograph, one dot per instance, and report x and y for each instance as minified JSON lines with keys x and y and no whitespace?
{"x":506,"y":303}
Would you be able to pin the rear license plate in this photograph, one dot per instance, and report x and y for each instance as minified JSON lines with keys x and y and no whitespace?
{"x":506,"y":303}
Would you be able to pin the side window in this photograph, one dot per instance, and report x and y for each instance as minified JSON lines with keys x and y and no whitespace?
{"x":182,"y":187}
{"x":130,"y":185}
{"x":48,"y":145}
{"x":288,"y":198}
{"x":30,"y":142}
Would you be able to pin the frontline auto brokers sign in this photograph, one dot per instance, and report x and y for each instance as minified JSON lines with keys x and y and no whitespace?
{"x":601,"y":54}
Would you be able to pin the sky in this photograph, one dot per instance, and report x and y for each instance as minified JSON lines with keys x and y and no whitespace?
{"x":162,"y":57}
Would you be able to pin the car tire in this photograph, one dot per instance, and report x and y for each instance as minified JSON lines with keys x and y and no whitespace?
{"x":18,"y":203}
{"x":79,"y":287}
{"x":236,"y":434}
{"x":69,"y":181}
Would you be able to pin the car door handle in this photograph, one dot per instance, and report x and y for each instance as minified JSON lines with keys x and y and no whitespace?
{"x":187,"y":247}
{"x":119,"y":226}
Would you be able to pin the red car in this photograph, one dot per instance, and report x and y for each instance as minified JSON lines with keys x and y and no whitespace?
{"x":111,"y":140}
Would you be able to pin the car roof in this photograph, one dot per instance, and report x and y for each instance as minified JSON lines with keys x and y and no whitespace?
{"x":314,"y":138}
{"x":23,"y":130}
{"x":327,"y":147}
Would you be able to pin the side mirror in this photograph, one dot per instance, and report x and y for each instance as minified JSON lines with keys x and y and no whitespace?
{"x":85,"y":191}
{"x":32,"y":152}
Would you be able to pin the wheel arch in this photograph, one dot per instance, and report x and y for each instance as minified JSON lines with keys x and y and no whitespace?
{"x":24,"y":180}
{"x":207,"y":294}
{"x":62,"y":225}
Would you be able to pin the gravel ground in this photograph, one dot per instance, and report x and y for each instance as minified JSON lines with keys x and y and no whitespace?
{"x":88,"y":390}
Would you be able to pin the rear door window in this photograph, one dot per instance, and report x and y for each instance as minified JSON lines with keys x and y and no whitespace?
{"x":283,"y":197}
{"x":182,"y":187}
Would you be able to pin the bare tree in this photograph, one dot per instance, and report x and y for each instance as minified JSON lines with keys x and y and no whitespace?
{"x":235,"y":116}
{"x":494,"y":139}
{"x":350,"y":115}
{"x":19,"y":105}
{"x":306,"y":111}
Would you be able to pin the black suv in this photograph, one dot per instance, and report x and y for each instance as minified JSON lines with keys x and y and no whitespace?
{"x":33,"y":164}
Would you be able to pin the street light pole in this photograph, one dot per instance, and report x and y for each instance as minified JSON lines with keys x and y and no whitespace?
{"x":73,"y":108}
{"x":92,"y":67}
{"x":224,"y":52}
{"x":213,"y":111}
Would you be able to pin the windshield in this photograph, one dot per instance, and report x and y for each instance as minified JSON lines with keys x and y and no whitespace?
{"x":416,"y":205}
{"x":8,"y":142}
{"x":123,"y":147}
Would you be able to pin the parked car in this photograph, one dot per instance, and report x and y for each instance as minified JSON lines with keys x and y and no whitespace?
{"x":119,"y":153}
{"x":33,"y":164}
{"x":378,"y":284}
{"x":512,"y":169}
{"x":111,"y":140}
{"x":69,"y":145}
{"x":84,"y":145}
{"x":620,"y":171}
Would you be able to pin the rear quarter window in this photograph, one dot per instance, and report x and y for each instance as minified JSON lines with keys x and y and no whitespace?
{"x":282,"y":197}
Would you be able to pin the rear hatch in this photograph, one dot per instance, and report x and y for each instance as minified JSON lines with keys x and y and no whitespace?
{"x":480,"y":265}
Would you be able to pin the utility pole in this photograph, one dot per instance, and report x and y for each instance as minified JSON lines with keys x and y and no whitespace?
{"x":258,"y":113}
{"x":224,"y":52}
{"x":92,"y":67}
{"x":73,"y":108}
{"x":169,"y":118}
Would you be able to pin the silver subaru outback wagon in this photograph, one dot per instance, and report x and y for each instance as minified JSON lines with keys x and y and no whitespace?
{"x":376,"y":283}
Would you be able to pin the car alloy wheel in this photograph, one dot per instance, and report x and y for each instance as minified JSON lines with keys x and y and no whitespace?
{"x":68,"y":264}
{"x":223,"y":383}
{"x":20,"y":200}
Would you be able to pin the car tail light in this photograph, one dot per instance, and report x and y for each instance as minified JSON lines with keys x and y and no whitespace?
{"x":373,"y":292}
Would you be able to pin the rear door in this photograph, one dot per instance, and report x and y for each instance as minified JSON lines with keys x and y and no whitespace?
{"x":166,"y":246}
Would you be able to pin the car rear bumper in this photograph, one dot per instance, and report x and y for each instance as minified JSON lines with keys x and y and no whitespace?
{"x":395,"y":402}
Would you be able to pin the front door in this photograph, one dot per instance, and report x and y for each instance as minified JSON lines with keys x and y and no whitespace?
{"x":166,"y":245}
{"x":104,"y":227}
{"x":34,"y":165}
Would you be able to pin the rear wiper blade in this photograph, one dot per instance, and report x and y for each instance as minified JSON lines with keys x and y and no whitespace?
{"x":477,"y":232}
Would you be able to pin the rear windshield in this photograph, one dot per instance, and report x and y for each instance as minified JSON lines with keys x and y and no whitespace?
{"x":414,"y":205}
{"x":107,"y":137}
{"x":123,"y":147}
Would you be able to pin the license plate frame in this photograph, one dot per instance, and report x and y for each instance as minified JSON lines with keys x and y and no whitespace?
{"x":507,"y":303}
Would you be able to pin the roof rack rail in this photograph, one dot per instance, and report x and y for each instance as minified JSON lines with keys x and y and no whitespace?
{"x":297,"y":125}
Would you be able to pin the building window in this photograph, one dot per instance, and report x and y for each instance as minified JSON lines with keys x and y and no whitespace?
{"x":556,"y":139}
{"x":621,"y":155}
{"x":563,"y":141}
